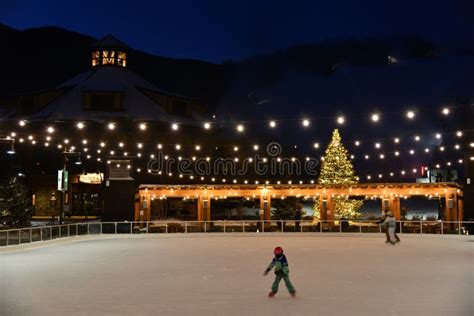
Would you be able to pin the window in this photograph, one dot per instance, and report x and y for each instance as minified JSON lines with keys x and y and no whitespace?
{"x":102,"y":102}
{"x":95,"y":58}
{"x":122,"y":59}
{"x":86,"y":203}
{"x":108,"y":57}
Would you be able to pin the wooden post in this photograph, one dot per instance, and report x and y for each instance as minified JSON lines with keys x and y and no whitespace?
{"x":331,"y":208}
{"x":454,"y":212}
{"x":460,"y":210}
{"x":265,"y":206}
{"x":447,"y":209}
{"x":204,"y":208}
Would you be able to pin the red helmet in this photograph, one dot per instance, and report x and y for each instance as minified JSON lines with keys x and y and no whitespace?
{"x":278,"y":251}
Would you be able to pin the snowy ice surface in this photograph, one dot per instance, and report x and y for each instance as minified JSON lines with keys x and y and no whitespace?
{"x":218,"y":274}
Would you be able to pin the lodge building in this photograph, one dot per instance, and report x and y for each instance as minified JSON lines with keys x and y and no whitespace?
{"x":111,"y":92}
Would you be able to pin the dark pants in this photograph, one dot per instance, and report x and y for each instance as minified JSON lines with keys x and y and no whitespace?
{"x":388,"y":236}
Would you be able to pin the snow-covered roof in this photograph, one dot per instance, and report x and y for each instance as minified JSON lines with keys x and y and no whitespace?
{"x":136,"y":105}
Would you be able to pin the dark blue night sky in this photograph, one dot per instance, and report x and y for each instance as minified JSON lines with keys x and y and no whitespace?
{"x":219,"y":30}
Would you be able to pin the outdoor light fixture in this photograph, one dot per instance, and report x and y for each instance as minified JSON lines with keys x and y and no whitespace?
{"x":111,"y":126}
{"x":375,"y":117}
{"x":377,"y":145}
{"x":11,"y":150}
{"x":255,"y":147}
{"x":207,"y":125}
{"x":357,"y":143}
{"x":240,"y":128}
{"x":50,"y":129}
{"x":459,"y":134}
{"x":410,"y":115}
{"x":340,"y":120}
{"x":80,"y":125}
{"x":438,"y":136}
{"x":272,"y":124}
{"x":159,"y":146}
{"x":174,"y":127}
{"x":142,"y":126}
{"x":396,"y":140}
{"x":22,"y":123}
{"x":417,"y":138}
{"x":445,"y":111}
{"x":316,"y":145}
{"x":198,"y":147}
{"x":305,"y":123}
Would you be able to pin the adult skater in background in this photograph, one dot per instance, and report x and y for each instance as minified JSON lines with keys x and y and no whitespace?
{"x":391,"y":225}
{"x":280,"y":264}
{"x":384,"y":215}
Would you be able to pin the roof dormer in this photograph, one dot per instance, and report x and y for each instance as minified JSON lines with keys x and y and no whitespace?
{"x":110,"y":51}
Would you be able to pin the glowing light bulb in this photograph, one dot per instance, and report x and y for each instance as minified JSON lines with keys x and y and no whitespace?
{"x":316,"y":145}
{"x":410,"y":115}
{"x":375,"y":117}
{"x":240,"y":128}
{"x":341,"y":120}
{"x":174,"y":127}
{"x":255,"y":147}
{"x":396,"y":140}
{"x":142,"y":126}
{"x":305,"y":123}
{"x":272,"y":124}
{"x":445,"y":111}
{"x":22,"y":123}
{"x":207,"y":125}
{"x":178,"y":146}
{"x":50,"y":129}
{"x":111,"y":126}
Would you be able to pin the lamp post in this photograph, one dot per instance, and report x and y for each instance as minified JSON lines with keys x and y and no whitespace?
{"x":63,"y":181}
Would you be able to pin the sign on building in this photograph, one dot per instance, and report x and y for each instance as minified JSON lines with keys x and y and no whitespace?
{"x":91,"y":178}
{"x":119,"y":170}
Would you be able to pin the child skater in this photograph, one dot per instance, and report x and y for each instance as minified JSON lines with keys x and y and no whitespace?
{"x":281,"y":272}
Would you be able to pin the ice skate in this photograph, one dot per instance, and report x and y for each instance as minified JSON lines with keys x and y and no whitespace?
{"x":271,"y":294}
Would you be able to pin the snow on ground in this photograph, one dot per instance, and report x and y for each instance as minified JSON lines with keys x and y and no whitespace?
{"x":222,"y":275}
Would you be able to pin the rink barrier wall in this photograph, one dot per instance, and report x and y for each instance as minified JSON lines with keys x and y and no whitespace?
{"x":19,"y":236}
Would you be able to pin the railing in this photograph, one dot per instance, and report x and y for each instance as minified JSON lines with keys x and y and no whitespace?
{"x":42,"y":233}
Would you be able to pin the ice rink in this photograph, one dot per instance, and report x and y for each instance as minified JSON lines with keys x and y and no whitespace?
{"x":222,"y":275}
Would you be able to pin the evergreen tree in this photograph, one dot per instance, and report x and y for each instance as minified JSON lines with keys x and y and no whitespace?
{"x":15,"y":204}
{"x":337,"y":169}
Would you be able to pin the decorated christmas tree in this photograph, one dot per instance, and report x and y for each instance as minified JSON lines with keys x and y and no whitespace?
{"x":15,"y":204}
{"x":337,"y":169}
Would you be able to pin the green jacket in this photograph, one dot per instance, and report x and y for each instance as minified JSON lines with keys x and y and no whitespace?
{"x":280,"y":264}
